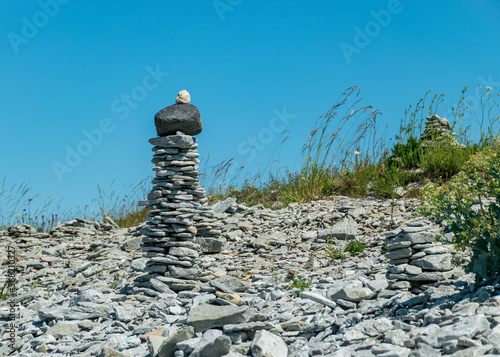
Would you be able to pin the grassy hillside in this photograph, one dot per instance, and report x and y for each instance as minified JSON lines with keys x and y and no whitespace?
{"x":347,"y":154}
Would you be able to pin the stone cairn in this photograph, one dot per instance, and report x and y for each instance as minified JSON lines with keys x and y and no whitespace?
{"x":416,"y":258}
{"x":437,"y":131}
{"x":180,"y":224}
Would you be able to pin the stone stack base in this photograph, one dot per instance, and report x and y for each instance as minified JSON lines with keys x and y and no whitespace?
{"x":416,"y":257}
{"x":179,"y":223}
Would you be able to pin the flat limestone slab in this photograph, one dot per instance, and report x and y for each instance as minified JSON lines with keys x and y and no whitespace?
{"x":204,"y":317}
{"x":345,"y":229}
{"x":173,"y":141}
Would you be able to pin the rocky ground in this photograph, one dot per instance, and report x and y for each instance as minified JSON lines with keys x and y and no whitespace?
{"x":272,"y":291}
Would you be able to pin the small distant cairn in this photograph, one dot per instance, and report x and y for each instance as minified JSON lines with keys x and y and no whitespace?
{"x":415,"y":257}
{"x":437,"y":131}
{"x":180,"y":224}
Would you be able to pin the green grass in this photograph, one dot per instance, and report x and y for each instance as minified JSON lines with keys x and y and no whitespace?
{"x":4,"y":293}
{"x":299,"y":283}
{"x":122,"y":206}
{"x":352,"y":247}
{"x":16,"y":207}
{"x":383,"y":249}
{"x":335,"y":254}
{"x":36,"y":284}
{"x":17,"y":202}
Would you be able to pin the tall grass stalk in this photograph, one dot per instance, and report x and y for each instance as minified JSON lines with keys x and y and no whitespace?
{"x":122,"y":205}
{"x":16,"y":207}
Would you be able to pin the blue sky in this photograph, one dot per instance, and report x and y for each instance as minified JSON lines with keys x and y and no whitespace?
{"x":88,"y":77}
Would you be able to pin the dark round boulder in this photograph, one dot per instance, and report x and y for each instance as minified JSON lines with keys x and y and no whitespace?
{"x":178,"y":117}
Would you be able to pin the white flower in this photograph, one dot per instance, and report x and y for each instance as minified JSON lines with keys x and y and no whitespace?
{"x":488,"y":88}
{"x":356,"y":152}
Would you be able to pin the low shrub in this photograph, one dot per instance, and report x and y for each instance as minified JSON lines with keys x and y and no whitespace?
{"x":300,"y":283}
{"x":463,"y":201}
{"x":334,"y":253}
{"x":406,"y":155}
{"x":355,"y":246}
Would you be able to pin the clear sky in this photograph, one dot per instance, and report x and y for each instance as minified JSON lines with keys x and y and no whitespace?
{"x":81,"y":81}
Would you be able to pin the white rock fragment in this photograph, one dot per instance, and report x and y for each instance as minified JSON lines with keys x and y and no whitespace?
{"x":266,"y":344}
{"x":183,"y":97}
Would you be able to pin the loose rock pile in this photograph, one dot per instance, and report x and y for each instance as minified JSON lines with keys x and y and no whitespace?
{"x":437,"y":132}
{"x":81,"y":293}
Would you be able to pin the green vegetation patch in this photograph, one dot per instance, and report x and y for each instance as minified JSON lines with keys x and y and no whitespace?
{"x":463,"y":203}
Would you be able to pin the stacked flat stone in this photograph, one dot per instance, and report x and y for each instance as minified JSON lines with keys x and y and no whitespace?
{"x":179,"y":219}
{"x":416,"y":258}
{"x":437,"y":130}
